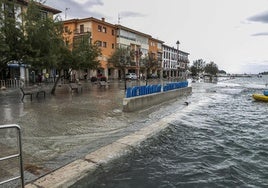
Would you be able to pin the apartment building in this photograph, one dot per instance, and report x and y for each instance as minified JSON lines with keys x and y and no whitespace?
{"x":174,"y":62}
{"x":183,"y":63}
{"x":138,"y":42}
{"x":46,"y":11}
{"x":101,"y":33}
{"x":14,"y":69}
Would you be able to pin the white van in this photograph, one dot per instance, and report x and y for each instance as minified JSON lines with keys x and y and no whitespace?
{"x":131,"y":76}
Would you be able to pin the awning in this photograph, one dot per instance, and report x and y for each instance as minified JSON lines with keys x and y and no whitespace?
{"x":17,"y":65}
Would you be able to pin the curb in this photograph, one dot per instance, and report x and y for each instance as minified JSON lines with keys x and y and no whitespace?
{"x":68,"y":175}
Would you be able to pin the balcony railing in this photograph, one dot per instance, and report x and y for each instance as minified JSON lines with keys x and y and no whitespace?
{"x":82,"y":31}
{"x":183,"y":59}
{"x":132,"y":64}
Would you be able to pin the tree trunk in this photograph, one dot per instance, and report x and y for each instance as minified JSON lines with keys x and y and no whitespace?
{"x":125,"y":80}
{"x":146,"y":76}
{"x":53,"y":90}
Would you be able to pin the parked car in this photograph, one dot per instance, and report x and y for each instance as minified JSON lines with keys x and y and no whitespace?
{"x":131,"y":76}
{"x":153,"y":76}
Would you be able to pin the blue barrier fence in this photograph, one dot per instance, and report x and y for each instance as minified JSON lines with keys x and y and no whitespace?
{"x":149,"y":89}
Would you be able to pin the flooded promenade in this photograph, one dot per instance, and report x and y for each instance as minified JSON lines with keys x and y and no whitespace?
{"x":64,"y":127}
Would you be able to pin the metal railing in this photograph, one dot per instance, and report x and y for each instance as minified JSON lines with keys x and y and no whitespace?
{"x":10,"y":83}
{"x":150,"y":89}
{"x":17,"y":155}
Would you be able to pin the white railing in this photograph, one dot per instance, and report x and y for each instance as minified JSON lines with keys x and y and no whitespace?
{"x":10,"y":83}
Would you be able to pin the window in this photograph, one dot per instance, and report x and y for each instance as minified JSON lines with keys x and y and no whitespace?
{"x":104,"y":44}
{"x":43,"y":15}
{"x":112,"y":32}
{"x":82,"y":28}
{"x":66,"y":29}
{"x":99,"y":43}
{"x":104,"y":30}
{"x":99,"y":28}
{"x":112,"y":45}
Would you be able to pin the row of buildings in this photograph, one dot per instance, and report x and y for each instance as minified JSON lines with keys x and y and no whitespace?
{"x":171,"y":62}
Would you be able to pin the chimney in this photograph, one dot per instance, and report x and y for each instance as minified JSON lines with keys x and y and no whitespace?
{"x":103,"y":19}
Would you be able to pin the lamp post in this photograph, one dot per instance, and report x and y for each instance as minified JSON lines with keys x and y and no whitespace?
{"x":161,"y":74}
{"x":178,"y":63}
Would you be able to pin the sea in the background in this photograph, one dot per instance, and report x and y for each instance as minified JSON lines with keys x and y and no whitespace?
{"x":219,"y":140}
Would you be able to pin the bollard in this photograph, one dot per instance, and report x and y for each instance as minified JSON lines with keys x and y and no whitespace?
{"x":134,"y":91}
{"x":129,"y":92}
{"x":142,"y":90}
{"x":158,"y":89}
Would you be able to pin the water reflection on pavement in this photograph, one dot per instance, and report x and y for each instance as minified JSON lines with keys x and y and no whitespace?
{"x":64,"y":127}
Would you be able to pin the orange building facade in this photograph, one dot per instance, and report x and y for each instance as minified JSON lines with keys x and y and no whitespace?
{"x":101,"y":33}
{"x":155,"y":49}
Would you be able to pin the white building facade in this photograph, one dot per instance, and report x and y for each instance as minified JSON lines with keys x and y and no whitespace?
{"x":137,"y":42}
{"x":174,"y":62}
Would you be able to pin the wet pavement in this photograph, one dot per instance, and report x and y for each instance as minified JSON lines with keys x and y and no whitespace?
{"x":61,"y":128}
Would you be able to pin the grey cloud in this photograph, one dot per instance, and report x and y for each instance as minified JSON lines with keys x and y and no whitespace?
{"x":260,"y":34}
{"x":94,"y":2}
{"x":75,"y":9}
{"x":127,"y":14}
{"x":262,"y":17}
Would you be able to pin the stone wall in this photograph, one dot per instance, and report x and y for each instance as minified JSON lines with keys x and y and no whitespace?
{"x":145,"y":101}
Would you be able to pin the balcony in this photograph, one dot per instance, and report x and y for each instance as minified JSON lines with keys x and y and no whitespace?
{"x":133,"y":64}
{"x":183,"y":59}
{"x":83,"y":31}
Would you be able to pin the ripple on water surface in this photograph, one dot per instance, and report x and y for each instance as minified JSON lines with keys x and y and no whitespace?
{"x":219,"y":141}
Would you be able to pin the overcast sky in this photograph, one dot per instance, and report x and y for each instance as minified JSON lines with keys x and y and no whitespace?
{"x":231,"y":33}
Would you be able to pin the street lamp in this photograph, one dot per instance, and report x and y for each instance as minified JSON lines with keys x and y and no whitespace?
{"x":178,"y":43}
{"x":178,"y":63}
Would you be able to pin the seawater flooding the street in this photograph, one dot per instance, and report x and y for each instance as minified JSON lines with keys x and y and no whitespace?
{"x":63,"y":128}
{"x":219,"y":140}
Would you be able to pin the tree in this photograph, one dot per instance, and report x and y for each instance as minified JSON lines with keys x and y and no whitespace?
{"x":65,"y":60}
{"x":83,"y":56}
{"x":121,"y":59}
{"x":86,"y":53}
{"x":43,"y":38}
{"x":12,"y":44}
{"x":199,"y":65}
{"x":46,"y":48}
{"x":222,"y":72}
{"x":150,"y":62}
{"x":193,"y":70}
{"x":211,"y":68}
